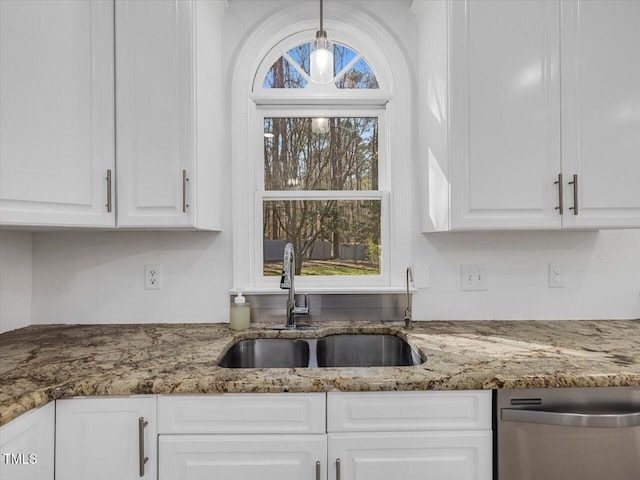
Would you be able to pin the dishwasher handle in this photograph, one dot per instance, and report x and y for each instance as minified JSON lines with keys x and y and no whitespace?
{"x":571,"y":419}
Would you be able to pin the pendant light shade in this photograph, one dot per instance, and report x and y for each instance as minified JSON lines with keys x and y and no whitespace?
{"x":320,"y":125}
{"x":321,"y":55}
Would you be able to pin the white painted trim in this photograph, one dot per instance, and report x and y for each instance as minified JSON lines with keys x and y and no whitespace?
{"x":322,"y":194}
{"x":358,"y":98}
{"x":387,"y":58}
{"x":324,"y":290}
{"x":222,"y":6}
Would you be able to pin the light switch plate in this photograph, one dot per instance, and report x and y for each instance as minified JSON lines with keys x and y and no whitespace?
{"x":474,"y":278}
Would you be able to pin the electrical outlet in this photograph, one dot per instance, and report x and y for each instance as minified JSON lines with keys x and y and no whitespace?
{"x":556,"y":276}
{"x":152,"y":277}
{"x":474,"y":277}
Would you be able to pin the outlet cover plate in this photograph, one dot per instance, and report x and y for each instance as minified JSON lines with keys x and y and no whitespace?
{"x":152,"y":277}
{"x":556,"y":276}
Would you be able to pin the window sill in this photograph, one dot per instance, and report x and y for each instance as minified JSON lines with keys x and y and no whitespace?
{"x":325,"y":290}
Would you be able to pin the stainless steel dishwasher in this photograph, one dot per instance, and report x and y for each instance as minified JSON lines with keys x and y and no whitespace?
{"x":568,"y":434}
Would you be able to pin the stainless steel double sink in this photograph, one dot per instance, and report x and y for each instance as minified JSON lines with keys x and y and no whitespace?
{"x":343,"y":350}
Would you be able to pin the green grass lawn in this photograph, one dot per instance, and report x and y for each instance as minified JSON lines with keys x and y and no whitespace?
{"x":327,"y":267}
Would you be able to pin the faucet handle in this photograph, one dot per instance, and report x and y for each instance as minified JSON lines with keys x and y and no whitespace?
{"x":285,"y":280}
{"x":408,"y":322}
{"x":303,"y":310}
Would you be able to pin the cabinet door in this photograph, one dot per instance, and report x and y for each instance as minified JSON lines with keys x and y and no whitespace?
{"x":246,"y":457}
{"x":27,"y":445}
{"x":416,"y":456}
{"x":155,"y":111}
{"x":601,"y":112}
{"x":57,"y":115}
{"x":99,"y":438}
{"x":169,"y":112}
{"x":505,"y":114}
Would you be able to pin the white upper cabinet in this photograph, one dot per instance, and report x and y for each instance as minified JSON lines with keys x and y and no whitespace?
{"x":169,"y":95}
{"x":499,"y":126}
{"x":56,"y":115}
{"x":505,"y":120}
{"x":63,"y":162}
{"x":601,"y":112}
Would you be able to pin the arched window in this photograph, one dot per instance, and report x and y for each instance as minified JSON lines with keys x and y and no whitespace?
{"x":292,"y":70}
{"x":319,"y":167}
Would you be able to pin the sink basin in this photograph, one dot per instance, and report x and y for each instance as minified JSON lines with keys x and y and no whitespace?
{"x":363,"y":350}
{"x":267,"y":353}
{"x":341,"y":350}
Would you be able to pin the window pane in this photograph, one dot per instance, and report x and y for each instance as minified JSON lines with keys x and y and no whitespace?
{"x":330,"y":237}
{"x":333,"y":153}
{"x":283,"y":74}
{"x":359,"y":75}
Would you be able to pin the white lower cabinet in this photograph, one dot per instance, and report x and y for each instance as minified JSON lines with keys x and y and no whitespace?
{"x":106,"y":438}
{"x":412,"y":435}
{"x":243,"y":436}
{"x":27,"y":446}
{"x":288,"y":436}
{"x":410,"y":455}
{"x":386,"y":435}
{"x":259,"y":457}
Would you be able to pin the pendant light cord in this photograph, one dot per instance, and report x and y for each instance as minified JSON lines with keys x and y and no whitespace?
{"x":321,"y":21}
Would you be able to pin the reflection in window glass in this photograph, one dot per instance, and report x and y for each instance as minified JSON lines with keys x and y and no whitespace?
{"x":284,"y":74}
{"x":330,"y":237}
{"x":358,"y":76}
{"x":336,"y":153}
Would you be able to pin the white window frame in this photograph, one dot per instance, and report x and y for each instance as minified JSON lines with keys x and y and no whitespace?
{"x":382,"y":194}
{"x":354,"y":28}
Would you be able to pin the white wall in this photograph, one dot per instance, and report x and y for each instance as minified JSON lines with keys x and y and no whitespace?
{"x":601,"y":270}
{"x":15,"y":280}
{"x":97,"y":277}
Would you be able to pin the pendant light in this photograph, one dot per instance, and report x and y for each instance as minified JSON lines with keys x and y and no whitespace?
{"x":320,"y":126}
{"x":321,"y":55}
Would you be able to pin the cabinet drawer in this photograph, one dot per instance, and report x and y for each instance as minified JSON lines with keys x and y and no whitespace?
{"x":409,"y":411}
{"x":242,"y":413}
{"x":411,"y":455}
{"x":278,"y":457}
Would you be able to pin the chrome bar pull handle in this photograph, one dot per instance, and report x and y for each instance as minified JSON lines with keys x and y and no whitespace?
{"x":109,"y":191}
{"x":575,"y":194}
{"x":184,"y":191}
{"x":560,"y":206}
{"x":317,"y":470}
{"x":142,"y":460}
{"x":604,"y":419}
{"x":337,"y":469}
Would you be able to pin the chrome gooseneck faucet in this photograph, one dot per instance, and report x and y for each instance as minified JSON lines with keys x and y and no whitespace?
{"x":408,"y":322}
{"x":287,"y":282}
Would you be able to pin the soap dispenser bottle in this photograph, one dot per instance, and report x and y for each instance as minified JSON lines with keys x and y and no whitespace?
{"x":240,"y":313}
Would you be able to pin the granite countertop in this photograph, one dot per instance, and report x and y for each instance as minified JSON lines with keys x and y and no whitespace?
{"x":43,"y":363}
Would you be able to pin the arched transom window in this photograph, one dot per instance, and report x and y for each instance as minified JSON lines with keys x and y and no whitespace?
{"x":292,"y":69}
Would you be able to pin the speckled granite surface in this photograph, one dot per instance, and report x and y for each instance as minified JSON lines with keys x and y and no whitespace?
{"x":40,"y":364}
